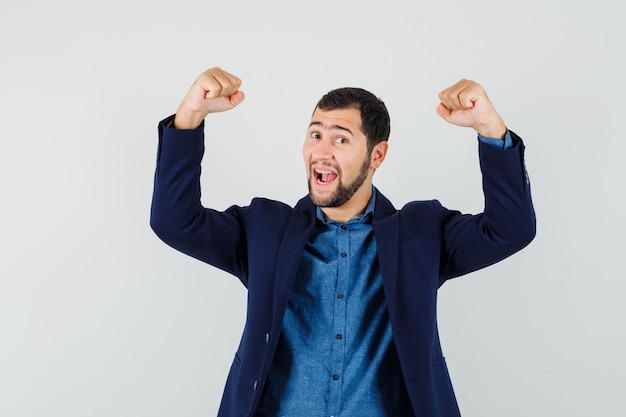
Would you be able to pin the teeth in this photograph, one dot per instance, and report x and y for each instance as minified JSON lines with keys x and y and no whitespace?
{"x":321,"y":174}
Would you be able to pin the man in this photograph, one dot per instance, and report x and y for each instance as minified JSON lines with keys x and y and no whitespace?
{"x":341,"y":288}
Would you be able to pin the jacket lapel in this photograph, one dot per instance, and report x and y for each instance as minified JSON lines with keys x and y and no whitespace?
{"x":290,"y":253}
{"x":387,"y":232}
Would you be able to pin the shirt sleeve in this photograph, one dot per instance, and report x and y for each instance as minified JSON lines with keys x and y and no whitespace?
{"x":507,"y":143}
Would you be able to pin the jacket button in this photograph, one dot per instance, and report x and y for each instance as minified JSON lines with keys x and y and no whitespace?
{"x":267,"y":337}
{"x":255,"y":385}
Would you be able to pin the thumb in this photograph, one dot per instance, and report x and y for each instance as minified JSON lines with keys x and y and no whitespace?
{"x":237,"y":98}
{"x":443,"y":111}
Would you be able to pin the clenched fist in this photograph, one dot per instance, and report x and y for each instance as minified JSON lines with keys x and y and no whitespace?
{"x":215,"y":90}
{"x":466,"y":104}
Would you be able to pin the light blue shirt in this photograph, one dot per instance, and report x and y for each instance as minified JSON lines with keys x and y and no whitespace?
{"x":336,"y":356}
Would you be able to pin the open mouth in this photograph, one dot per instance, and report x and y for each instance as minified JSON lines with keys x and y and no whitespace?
{"x":324,"y":177}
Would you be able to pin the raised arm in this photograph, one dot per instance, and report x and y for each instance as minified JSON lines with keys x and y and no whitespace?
{"x":177,"y":215}
{"x":508,"y":221}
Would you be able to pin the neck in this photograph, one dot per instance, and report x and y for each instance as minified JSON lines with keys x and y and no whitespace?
{"x":352,"y":208}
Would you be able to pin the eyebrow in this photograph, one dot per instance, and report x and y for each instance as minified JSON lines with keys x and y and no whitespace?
{"x":331,"y":127}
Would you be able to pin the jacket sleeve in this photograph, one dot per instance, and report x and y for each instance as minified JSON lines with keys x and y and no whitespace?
{"x":177,"y":216}
{"x":508,"y":224}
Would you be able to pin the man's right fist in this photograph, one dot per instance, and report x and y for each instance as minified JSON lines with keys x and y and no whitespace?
{"x":215,"y":90}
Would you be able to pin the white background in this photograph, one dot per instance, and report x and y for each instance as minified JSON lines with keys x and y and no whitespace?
{"x":100,"y":318}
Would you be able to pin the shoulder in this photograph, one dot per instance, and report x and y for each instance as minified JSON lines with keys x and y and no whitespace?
{"x":261,"y":203}
{"x":384,"y":209}
{"x":261,"y":207}
{"x":429,"y":212}
{"x":273,"y":210}
{"x":266,"y":204}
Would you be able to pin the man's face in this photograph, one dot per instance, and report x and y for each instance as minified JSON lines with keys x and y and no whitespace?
{"x":336,"y":157}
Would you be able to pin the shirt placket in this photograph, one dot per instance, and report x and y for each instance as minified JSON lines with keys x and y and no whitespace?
{"x":339,"y":321}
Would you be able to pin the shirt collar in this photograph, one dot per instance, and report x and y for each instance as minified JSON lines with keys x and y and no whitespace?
{"x":363,"y":217}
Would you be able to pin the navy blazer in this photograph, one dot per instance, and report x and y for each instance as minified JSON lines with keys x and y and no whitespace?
{"x":419,"y":247}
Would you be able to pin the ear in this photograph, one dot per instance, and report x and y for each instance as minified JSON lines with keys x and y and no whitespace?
{"x":378,"y":154}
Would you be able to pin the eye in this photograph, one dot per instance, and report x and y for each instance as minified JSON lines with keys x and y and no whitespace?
{"x":315,"y":135}
{"x":341,"y":140}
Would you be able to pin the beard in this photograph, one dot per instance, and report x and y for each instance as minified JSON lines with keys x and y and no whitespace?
{"x":344,"y":192}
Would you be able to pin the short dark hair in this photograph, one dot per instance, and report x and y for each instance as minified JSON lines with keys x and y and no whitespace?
{"x":375,"y":121}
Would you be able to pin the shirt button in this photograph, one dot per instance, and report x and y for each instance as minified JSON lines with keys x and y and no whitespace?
{"x":343,"y":254}
{"x":335,"y":377}
{"x":343,"y":227}
{"x":339,"y":337}
{"x":340,"y":295}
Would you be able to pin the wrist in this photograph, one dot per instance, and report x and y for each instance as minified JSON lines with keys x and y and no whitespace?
{"x":187,"y":120}
{"x":495,"y":131}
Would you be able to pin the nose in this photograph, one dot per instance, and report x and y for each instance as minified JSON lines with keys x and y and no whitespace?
{"x":322,"y":150}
